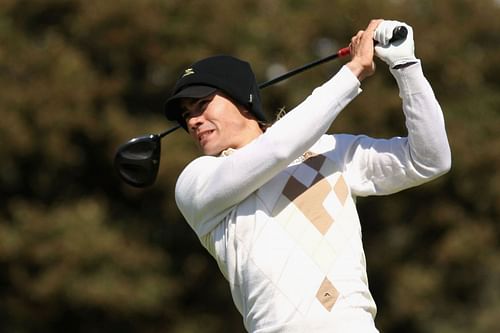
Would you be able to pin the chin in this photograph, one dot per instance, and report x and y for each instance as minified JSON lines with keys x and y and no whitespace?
{"x":211,"y":151}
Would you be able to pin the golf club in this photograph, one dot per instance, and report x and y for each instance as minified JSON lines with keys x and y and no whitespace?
{"x":137,"y":160}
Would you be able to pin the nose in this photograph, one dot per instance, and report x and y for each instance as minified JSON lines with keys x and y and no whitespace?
{"x":194,"y":122}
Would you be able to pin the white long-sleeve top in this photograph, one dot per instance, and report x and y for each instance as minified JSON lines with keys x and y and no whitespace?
{"x":279,"y":215}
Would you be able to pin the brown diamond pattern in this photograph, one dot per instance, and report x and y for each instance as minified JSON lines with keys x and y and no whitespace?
{"x":327,"y":295}
{"x":315,"y":162}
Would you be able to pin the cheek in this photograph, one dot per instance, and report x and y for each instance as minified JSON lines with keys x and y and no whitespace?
{"x":233,"y":120}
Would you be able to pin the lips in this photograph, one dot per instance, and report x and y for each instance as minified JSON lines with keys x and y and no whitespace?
{"x":203,"y":136}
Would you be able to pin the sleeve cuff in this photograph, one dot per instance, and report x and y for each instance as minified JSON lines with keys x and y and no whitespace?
{"x":410,"y":79}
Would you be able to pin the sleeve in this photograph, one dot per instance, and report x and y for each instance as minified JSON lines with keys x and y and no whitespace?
{"x":379,"y":166}
{"x":210,"y":186}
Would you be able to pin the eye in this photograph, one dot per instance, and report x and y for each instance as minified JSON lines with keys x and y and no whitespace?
{"x":185,"y":114}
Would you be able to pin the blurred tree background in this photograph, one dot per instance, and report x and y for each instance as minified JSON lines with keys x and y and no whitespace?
{"x":80,"y":251}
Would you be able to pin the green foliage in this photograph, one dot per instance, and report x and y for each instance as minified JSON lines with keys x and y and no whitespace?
{"x":66,"y":261}
{"x":81,"y":251}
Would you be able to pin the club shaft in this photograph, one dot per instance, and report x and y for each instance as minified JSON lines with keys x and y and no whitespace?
{"x":340,"y":53}
{"x":170,"y":130}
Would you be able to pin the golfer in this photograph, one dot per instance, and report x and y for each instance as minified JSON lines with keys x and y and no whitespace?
{"x":275,"y":204}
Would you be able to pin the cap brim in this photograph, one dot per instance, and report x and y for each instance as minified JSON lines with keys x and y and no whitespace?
{"x":194,"y":92}
{"x":198,"y":91}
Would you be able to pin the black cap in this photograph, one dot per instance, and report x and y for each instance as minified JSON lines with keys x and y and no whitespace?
{"x":232,"y":76}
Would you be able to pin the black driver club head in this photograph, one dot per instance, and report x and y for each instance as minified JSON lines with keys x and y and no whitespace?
{"x":137,"y":160}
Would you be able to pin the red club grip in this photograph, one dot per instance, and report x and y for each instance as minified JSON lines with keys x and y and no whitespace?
{"x":344,"y":51}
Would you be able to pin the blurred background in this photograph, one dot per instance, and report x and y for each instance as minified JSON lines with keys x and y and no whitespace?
{"x":80,"y":251}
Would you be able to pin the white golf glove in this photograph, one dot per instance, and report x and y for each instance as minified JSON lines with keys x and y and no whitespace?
{"x":397,"y":53}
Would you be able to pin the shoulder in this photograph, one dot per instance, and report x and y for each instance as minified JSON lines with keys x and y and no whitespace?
{"x":196,"y":168}
{"x":191,"y":182}
{"x":200,"y":163}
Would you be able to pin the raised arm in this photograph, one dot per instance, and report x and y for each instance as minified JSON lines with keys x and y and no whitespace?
{"x":386,"y":166}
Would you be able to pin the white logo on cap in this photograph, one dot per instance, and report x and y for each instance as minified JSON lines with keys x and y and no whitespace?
{"x":187,"y":72}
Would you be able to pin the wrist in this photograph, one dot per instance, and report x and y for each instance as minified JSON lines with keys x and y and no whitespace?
{"x":359,"y":70}
{"x":405,"y":64}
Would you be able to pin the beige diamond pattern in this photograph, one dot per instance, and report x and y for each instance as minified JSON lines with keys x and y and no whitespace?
{"x":327,"y":295}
